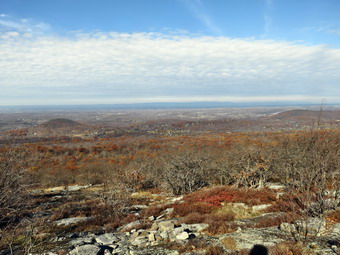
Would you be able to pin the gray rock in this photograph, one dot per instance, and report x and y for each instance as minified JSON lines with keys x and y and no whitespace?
{"x":106,"y":239}
{"x":139,"y":207}
{"x":88,"y":249}
{"x":129,"y":226}
{"x":198,"y":227}
{"x":70,"y":221}
{"x":82,"y":240}
{"x":166,"y":225}
{"x":140,"y":240}
{"x":313,"y":226}
{"x":77,"y":187}
{"x":246,"y":239}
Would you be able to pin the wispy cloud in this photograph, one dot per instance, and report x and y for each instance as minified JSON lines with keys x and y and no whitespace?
{"x":118,"y":67}
{"x":9,"y":24}
{"x":268,"y":20}
{"x":326,"y":29}
{"x":198,"y":10}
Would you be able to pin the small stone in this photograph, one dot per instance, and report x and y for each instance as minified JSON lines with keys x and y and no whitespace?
{"x":152,"y":237}
{"x":183,"y":236}
{"x":154,"y":226}
{"x":107,"y":252}
{"x":164,"y":235}
{"x":169,"y":211}
{"x":152,"y":218}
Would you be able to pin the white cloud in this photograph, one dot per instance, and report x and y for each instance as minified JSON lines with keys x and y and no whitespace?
{"x":117,"y":67}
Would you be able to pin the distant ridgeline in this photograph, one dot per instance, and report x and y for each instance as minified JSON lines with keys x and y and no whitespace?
{"x":60,"y":123}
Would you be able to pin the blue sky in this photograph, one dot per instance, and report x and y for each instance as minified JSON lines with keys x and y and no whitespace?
{"x":132,"y":51}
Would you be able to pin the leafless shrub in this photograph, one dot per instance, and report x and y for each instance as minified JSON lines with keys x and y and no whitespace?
{"x":310,"y":167}
{"x":182,"y":172}
{"x":12,"y":192}
{"x":250,"y":166}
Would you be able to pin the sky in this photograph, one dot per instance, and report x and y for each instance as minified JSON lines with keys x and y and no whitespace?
{"x":69,"y":52}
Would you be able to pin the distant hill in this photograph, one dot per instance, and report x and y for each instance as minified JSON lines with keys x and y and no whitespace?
{"x":308,"y":115}
{"x":60,"y":123}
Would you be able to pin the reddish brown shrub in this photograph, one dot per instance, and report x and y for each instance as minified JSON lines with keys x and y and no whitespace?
{"x":215,"y":196}
{"x":187,"y":208}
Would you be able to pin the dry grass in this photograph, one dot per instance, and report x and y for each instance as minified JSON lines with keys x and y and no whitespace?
{"x":229,"y":243}
{"x":287,"y":248}
{"x":218,"y":227}
{"x":155,"y":210}
{"x":334,"y":216}
{"x":276,"y":221}
{"x":196,"y":217}
{"x":214,"y":250}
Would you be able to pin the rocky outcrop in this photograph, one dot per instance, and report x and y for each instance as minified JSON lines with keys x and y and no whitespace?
{"x":142,"y":241}
{"x":113,"y":243}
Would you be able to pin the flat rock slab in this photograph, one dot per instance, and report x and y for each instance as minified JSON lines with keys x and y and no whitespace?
{"x":69,"y":221}
{"x":246,"y":239}
{"x":106,"y":239}
{"x":87,"y":249}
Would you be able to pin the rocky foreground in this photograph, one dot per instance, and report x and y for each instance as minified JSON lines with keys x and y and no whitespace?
{"x":166,"y":234}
